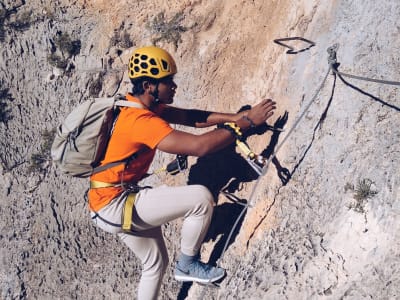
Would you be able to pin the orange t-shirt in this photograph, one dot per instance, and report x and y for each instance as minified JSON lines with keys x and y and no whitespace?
{"x":135,"y":129}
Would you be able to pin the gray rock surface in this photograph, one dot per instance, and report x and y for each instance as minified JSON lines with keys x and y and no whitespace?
{"x":330,"y":232}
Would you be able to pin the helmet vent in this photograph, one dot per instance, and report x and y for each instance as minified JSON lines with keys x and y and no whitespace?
{"x":154,"y":71}
{"x":164,"y":64}
{"x":152,"y":61}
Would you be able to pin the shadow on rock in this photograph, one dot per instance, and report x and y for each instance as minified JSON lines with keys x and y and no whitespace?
{"x":226,"y":171}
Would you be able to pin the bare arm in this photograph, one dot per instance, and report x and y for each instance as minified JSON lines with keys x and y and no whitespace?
{"x":179,"y":142}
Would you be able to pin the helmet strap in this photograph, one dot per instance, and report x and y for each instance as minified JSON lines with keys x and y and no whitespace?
{"x":155,"y":95}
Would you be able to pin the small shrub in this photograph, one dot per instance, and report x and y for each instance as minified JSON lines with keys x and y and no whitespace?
{"x":48,"y":137}
{"x":96,"y":85}
{"x":361,"y":193}
{"x":363,"y":190}
{"x":66,"y":45}
{"x":57,"y":61}
{"x":39,"y":161}
{"x":63,"y":49}
{"x":169,"y":31}
{"x":122,"y":40}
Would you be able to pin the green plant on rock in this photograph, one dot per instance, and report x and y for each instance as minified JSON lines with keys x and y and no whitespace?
{"x":57,"y":60}
{"x":121,"y":39}
{"x":169,"y":31}
{"x":64,"y":48}
{"x":361,"y":193}
{"x":364,"y":190}
{"x":96,"y":85}
{"x":66,"y":45}
{"x":39,"y":161}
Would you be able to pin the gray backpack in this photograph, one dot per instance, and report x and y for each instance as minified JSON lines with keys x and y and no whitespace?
{"x":81,"y":140}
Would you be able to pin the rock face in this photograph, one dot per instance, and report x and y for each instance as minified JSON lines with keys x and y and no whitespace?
{"x":323,"y":221}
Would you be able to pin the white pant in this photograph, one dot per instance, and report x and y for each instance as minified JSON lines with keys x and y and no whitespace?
{"x":153,"y":208}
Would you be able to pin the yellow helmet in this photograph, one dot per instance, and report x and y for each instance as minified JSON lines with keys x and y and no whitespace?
{"x":151,"y":62}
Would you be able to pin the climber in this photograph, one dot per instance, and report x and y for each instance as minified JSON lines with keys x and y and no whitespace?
{"x":143,"y":131}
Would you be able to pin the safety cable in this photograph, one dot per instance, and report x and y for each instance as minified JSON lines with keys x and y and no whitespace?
{"x":366,"y":78}
{"x":264,"y":171}
{"x":332,"y":59}
{"x":265,"y":168}
{"x":332,"y":66}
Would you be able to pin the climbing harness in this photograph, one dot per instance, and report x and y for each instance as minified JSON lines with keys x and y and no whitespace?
{"x":174,"y":167}
{"x":132,"y":189}
{"x":127,"y":212}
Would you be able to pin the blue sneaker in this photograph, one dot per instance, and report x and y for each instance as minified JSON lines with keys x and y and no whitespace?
{"x":198,"y":272}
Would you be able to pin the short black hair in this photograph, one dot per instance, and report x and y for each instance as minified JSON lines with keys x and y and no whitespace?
{"x":137,"y":84}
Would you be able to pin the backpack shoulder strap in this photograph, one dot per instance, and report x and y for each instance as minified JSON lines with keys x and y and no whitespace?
{"x":120,"y":101}
{"x":129,"y":104}
{"x":116,"y":163}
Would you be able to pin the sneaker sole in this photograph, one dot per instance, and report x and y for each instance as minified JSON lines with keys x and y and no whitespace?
{"x":196,"y":279}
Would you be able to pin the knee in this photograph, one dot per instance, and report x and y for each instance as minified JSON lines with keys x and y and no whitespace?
{"x":156,"y":266}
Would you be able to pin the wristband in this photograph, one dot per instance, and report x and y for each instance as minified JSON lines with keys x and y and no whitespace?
{"x":252,"y":125}
{"x":195,"y":115}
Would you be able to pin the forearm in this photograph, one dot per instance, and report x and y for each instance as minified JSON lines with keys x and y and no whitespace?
{"x":218,"y":118}
{"x":179,"y":142}
{"x":198,"y":118}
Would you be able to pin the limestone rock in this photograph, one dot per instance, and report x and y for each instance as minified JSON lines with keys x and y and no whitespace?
{"x":324,"y":220}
